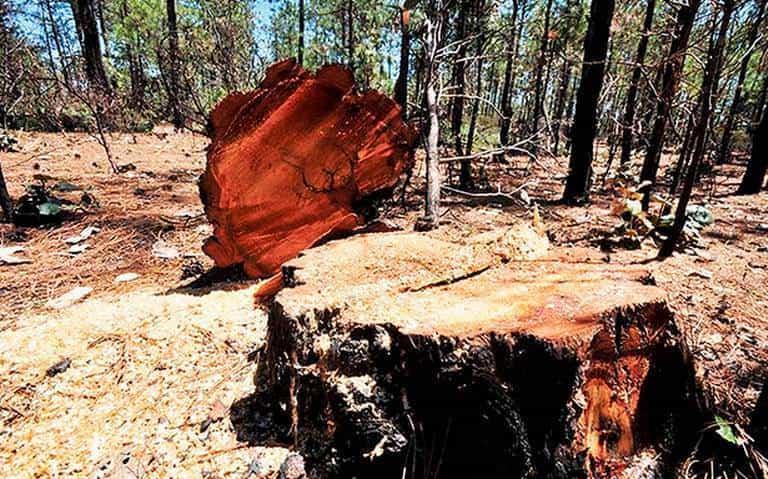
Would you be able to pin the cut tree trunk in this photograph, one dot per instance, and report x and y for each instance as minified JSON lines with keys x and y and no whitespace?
{"x":398,"y":355}
{"x":296,"y":161}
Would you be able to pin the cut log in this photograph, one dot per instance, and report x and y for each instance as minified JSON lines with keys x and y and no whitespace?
{"x":297,"y":161}
{"x":398,"y":355}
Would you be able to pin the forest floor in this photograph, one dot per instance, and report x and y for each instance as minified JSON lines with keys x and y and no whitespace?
{"x":151,"y":370}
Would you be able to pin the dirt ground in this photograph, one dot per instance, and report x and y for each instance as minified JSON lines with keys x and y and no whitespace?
{"x":151,"y":361}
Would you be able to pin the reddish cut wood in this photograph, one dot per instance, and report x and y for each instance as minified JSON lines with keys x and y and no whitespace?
{"x":292,"y":163}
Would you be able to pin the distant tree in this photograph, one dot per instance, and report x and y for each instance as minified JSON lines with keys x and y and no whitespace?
{"x":673,"y":69}
{"x":585,"y":121}
{"x":724,"y":152}
{"x":174,"y":70}
{"x":300,"y":53}
{"x":708,"y":88}
{"x":84,"y":13}
{"x":628,"y":121}
{"x":510,"y":57}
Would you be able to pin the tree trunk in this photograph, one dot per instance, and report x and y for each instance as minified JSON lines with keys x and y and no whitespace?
{"x":466,"y":165}
{"x":6,"y":203}
{"x":274,"y":191}
{"x":708,"y":87}
{"x":401,"y":84}
{"x":474,"y":363}
{"x":432,"y":204}
{"x":538,"y":102}
{"x":634,"y":83}
{"x":301,"y":33}
{"x":459,"y":78}
{"x":350,"y":35}
{"x":506,"y":104}
{"x":84,"y":13}
{"x":723,"y":155}
{"x":670,"y":81}
{"x":754,"y":177}
{"x":174,"y":86}
{"x":585,"y":121}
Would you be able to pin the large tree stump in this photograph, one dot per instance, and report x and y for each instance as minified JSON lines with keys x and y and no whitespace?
{"x":297,"y":161}
{"x":395,"y":353}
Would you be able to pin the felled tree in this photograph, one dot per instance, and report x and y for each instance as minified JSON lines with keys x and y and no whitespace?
{"x":297,"y":161}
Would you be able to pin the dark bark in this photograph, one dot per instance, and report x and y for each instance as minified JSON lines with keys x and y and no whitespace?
{"x":670,"y":81}
{"x":459,"y":78}
{"x":585,"y":121}
{"x":509,"y":82}
{"x":539,"y":88}
{"x":724,"y":152}
{"x":301,"y":33}
{"x":350,"y":36}
{"x":466,"y":165}
{"x":401,"y":84}
{"x":565,"y":74}
{"x":754,"y":177}
{"x":6,"y":203}
{"x":708,"y":88}
{"x":174,"y":98}
{"x":634,"y":84}
{"x":84,"y":13}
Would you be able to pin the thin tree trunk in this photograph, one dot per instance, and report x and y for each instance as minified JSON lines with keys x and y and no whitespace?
{"x":670,"y":81}
{"x":350,"y":36}
{"x":6,"y":203}
{"x":401,"y":85}
{"x":585,"y":121}
{"x":84,"y":13}
{"x":459,"y":79}
{"x":506,"y":104}
{"x":708,"y":86}
{"x":754,"y":176}
{"x":301,"y":33}
{"x":466,"y":165}
{"x":432,"y":203}
{"x":174,"y":92}
{"x":724,"y":153}
{"x":628,"y":122}
{"x":538,"y":101}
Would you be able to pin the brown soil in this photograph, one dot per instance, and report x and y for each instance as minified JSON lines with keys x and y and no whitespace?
{"x":719,"y":296}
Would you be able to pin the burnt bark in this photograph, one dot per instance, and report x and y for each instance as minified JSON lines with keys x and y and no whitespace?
{"x":670,"y":81}
{"x":628,"y":121}
{"x":541,"y":64}
{"x":754,"y":176}
{"x":585,"y":121}
{"x":509,"y":61}
{"x":522,"y":389}
{"x":459,"y":78}
{"x":84,"y":13}
{"x":300,"y":53}
{"x":174,"y":73}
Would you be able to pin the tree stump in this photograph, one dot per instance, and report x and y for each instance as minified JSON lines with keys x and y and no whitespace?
{"x":398,"y":355}
{"x":296,"y":161}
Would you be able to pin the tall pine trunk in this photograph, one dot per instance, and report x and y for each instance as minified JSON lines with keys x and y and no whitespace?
{"x":724,"y":152}
{"x":174,"y":85}
{"x":628,"y":122}
{"x":84,"y":13}
{"x":506,"y":104}
{"x":431,"y":217}
{"x":541,"y":64}
{"x":459,"y":78}
{"x":708,"y":88}
{"x":670,"y":81}
{"x":585,"y":121}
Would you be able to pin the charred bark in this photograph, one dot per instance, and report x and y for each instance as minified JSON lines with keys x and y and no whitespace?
{"x":401,"y":84}
{"x":754,"y":176}
{"x":84,"y":13}
{"x":570,"y":370}
{"x":585,"y":121}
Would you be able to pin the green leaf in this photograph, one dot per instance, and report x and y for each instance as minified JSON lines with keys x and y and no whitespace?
{"x":48,"y":209}
{"x":725,"y":431}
